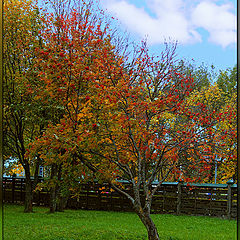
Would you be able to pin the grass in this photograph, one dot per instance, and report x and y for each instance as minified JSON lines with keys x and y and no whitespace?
{"x":101,"y":225}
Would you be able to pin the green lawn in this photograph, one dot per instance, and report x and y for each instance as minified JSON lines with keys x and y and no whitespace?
{"x":100,"y":225}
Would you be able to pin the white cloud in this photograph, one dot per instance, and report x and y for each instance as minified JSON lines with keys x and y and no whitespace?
{"x":217,"y":20}
{"x":177,"y":19}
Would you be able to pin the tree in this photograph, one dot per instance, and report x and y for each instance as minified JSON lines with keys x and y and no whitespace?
{"x":227,"y":81}
{"x":212,"y":99}
{"x":21,"y":26}
{"x":121,"y":130}
{"x":134,"y":134}
{"x":120,"y":120}
{"x":227,"y":140}
{"x":73,"y":44}
{"x":216,"y":97}
{"x":203,"y":75}
{"x":12,"y":168}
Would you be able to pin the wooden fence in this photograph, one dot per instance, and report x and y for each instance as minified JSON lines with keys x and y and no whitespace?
{"x":178,"y":198}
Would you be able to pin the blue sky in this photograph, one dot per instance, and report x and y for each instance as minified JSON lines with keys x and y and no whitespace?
{"x":206,"y":30}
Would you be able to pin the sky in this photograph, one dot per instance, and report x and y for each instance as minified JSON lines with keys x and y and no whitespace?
{"x":205,"y":30}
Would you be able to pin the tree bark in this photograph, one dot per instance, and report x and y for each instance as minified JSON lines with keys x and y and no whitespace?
{"x":146,"y":219}
{"x":61,"y":203}
{"x":61,"y":195}
{"x":30,"y":186}
{"x":53,"y":193}
{"x":28,"y":194}
{"x":53,"y":202}
{"x":36,"y":179}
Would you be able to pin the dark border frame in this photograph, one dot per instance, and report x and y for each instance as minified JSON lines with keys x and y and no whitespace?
{"x":1,"y":116}
{"x":238,"y":126}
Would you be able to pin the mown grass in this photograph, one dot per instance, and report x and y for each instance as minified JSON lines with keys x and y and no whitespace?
{"x":101,"y":225}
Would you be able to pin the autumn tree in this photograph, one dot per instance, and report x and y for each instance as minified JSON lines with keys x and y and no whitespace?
{"x":134,"y":132}
{"x":227,"y":140}
{"x":74,"y":43}
{"x":120,"y":120}
{"x":215,"y":97}
{"x":118,"y":127}
{"x":208,"y":102}
{"x":21,"y":26}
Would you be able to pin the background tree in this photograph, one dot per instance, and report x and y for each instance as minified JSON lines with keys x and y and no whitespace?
{"x":208,"y":103}
{"x":21,"y":26}
{"x":74,"y":44}
{"x":227,"y":140}
{"x":220,"y":99}
{"x":214,"y":91}
{"x":227,"y":81}
{"x":203,"y":75}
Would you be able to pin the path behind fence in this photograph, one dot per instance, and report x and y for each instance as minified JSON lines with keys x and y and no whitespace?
{"x":203,"y":199}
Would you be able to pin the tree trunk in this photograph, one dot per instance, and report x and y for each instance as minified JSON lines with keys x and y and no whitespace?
{"x":28,"y":195}
{"x":36,"y":180}
{"x":62,"y":197}
{"x":29,"y":186}
{"x":53,"y":192}
{"x":148,"y":223}
{"x":53,"y":200}
{"x":61,"y":203}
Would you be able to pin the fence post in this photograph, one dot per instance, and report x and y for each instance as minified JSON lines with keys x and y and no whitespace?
{"x":229,"y":198}
{"x":179,"y":196}
{"x":21,"y":190}
{"x":87,"y":195}
{"x":3,"y":188}
{"x":13,"y":187}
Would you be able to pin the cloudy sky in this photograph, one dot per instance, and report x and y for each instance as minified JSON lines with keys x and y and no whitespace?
{"x":205,"y":29}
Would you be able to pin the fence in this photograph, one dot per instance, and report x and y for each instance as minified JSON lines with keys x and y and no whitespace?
{"x":178,"y":198}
